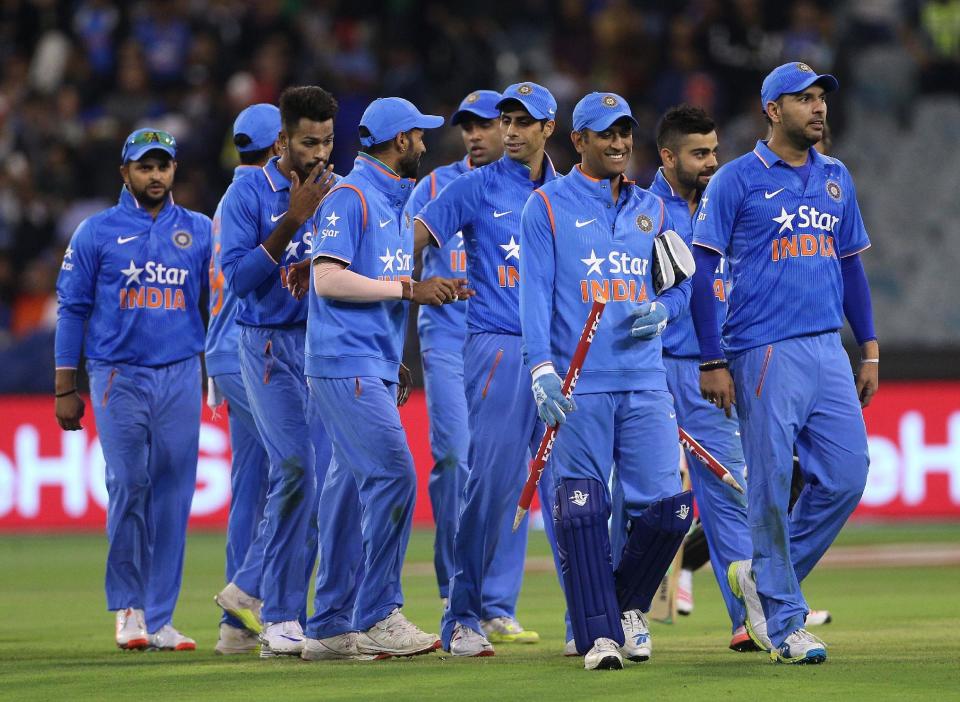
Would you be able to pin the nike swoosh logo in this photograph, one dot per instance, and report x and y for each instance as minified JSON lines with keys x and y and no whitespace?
{"x":277,"y":217}
{"x":125,"y":239}
{"x":673,"y":415}
{"x":583,"y":224}
{"x":498,"y":215}
{"x":383,"y":224}
{"x":773,"y":194}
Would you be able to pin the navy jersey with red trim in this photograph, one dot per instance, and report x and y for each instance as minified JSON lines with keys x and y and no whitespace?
{"x":441,"y":326}
{"x":680,"y":338}
{"x":137,"y":283}
{"x":782,"y":240}
{"x":486,"y":204}
{"x":577,"y":244}
{"x":362,"y":224}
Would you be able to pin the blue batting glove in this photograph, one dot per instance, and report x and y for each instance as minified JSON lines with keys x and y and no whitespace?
{"x":651,"y":320}
{"x":552,"y":406}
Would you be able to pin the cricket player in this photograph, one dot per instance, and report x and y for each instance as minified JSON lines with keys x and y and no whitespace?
{"x":362,"y":268}
{"x":485,"y":205}
{"x":592,"y":233}
{"x":787,"y":220}
{"x":255,"y":134}
{"x":442,"y":333}
{"x":266,"y":227}
{"x":134,"y":274}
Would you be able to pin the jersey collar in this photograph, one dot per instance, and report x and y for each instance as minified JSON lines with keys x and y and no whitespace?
{"x":129,"y":202}
{"x":242,"y":171}
{"x":768,"y":158}
{"x":661,"y":186}
{"x":277,"y":180}
{"x":381,"y":177}
{"x":520,"y":172}
{"x":595,"y":187}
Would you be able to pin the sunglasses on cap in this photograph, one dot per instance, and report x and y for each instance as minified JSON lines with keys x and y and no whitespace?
{"x":152,"y":137}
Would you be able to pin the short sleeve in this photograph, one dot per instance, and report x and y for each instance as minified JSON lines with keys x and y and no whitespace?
{"x":340,"y":222}
{"x":716,"y":215}
{"x":453,"y":207}
{"x":852,"y":234}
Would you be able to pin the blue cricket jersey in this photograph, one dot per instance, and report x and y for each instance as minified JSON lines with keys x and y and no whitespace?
{"x":223,"y":337}
{"x":782,"y":239}
{"x":136,"y":282}
{"x":250,"y":211}
{"x":486,"y":204}
{"x":444,"y":326}
{"x":577,"y":244}
{"x":362,"y":223}
{"x":680,"y":338}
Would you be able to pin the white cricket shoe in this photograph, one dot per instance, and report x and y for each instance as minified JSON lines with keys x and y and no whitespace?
{"x":466,"y":642}
{"x":131,"y":629}
{"x":507,"y":630}
{"x":239,"y":604}
{"x":818,"y":617}
{"x":342,"y":647}
{"x":281,"y":639}
{"x":166,"y":638}
{"x":570,"y":649}
{"x":234,"y":641}
{"x":637,"y":644}
{"x":605,"y":655}
{"x":740,"y":579}
{"x":800,"y":647}
{"x":397,"y":636}
{"x":685,"y":592}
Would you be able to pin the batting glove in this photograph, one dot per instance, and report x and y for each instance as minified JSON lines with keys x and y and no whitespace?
{"x":552,"y":406}
{"x":650,"y":320}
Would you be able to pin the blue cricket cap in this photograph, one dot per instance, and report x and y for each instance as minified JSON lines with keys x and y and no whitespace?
{"x":387,"y":117}
{"x":535,"y":99}
{"x":482,"y":103}
{"x":141,"y":141}
{"x":261,"y":123}
{"x":792,"y":78}
{"x":597,"y":111}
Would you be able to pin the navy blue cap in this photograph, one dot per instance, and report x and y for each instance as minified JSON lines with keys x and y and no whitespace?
{"x":481,"y":103}
{"x":793,"y":78}
{"x":261,"y":123}
{"x":597,"y":111}
{"x":387,"y":117}
{"x":141,"y":141}
{"x":535,"y":99}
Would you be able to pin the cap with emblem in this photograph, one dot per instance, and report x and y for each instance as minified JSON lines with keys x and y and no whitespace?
{"x":139,"y":142}
{"x":260,"y":124}
{"x":535,"y":99}
{"x":792,"y":78}
{"x":597,"y":111}
{"x":386,"y":117}
{"x":481,"y":103}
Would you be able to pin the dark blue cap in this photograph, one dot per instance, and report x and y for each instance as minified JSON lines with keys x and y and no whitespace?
{"x":535,"y":99}
{"x":793,"y":78}
{"x":597,"y":111}
{"x":387,"y":117}
{"x":260,"y":122}
{"x":141,"y":141}
{"x":481,"y":103}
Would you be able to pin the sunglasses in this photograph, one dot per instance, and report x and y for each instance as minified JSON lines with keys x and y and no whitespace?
{"x":153,"y":137}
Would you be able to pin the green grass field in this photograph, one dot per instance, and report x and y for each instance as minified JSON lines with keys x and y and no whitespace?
{"x":894,"y":637}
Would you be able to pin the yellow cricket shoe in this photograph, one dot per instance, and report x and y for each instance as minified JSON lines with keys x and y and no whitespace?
{"x":507,"y":630}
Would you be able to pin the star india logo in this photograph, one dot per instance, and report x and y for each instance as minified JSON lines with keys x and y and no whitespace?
{"x":609,"y":101}
{"x":524,"y":89}
{"x":833,"y":190}
{"x":579,"y":498}
{"x":183,"y":239}
{"x":683,"y":512}
{"x":645,"y":223}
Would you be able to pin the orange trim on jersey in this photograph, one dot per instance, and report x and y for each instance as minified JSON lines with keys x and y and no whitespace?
{"x":493,"y":369}
{"x":372,"y":160}
{"x":363,"y":200}
{"x":763,"y":369}
{"x":757,"y":154}
{"x":857,"y":251}
{"x":436,"y":239}
{"x":708,"y":248}
{"x":269,"y":179}
{"x":587,"y":175}
{"x":433,"y":184}
{"x":663,"y":214}
{"x":546,"y":201}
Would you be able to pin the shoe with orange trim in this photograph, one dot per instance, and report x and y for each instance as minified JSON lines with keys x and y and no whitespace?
{"x":169,"y":639}
{"x":131,"y":629}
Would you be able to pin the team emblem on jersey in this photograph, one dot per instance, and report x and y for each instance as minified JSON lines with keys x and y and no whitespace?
{"x":834,"y":191}
{"x":804,"y":67}
{"x":183,"y":239}
{"x":472,"y":98}
{"x":609,"y":101}
{"x":645,"y":223}
{"x":524,"y":89}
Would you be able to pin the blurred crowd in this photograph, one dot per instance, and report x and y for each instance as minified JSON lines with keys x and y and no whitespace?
{"x":77,"y":75}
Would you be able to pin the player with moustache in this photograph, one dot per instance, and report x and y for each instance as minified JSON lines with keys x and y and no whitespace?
{"x":592,"y":234}
{"x":129,"y":294}
{"x":266,"y":227}
{"x":787,"y":220}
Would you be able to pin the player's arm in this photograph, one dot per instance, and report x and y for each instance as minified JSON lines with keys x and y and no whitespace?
{"x":538,"y":278}
{"x":245,"y":263}
{"x":76,"y":290}
{"x":447,"y":213}
{"x":418,"y":198}
{"x":304,"y":199}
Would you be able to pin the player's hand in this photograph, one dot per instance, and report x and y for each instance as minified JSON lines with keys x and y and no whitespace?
{"x":437,"y":290}
{"x":69,"y":409}
{"x":716,"y":386}
{"x":405,"y":380}
{"x":305,"y":197}
{"x":868,"y":381}
{"x":650,"y":319}
{"x":552,"y":406}
{"x":298,"y":278}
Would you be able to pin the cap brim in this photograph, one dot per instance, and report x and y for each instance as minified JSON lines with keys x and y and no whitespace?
{"x":138,"y":152}
{"x":466,"y":113}
{"x":535,"y":113}
{"x":428,"y":122}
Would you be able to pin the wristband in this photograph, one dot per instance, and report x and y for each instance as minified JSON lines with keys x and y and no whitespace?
{"x":869,"y":360}
{"x":714,"y":365}
{"x":406,"y":289}
{"x":64,"y":394}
